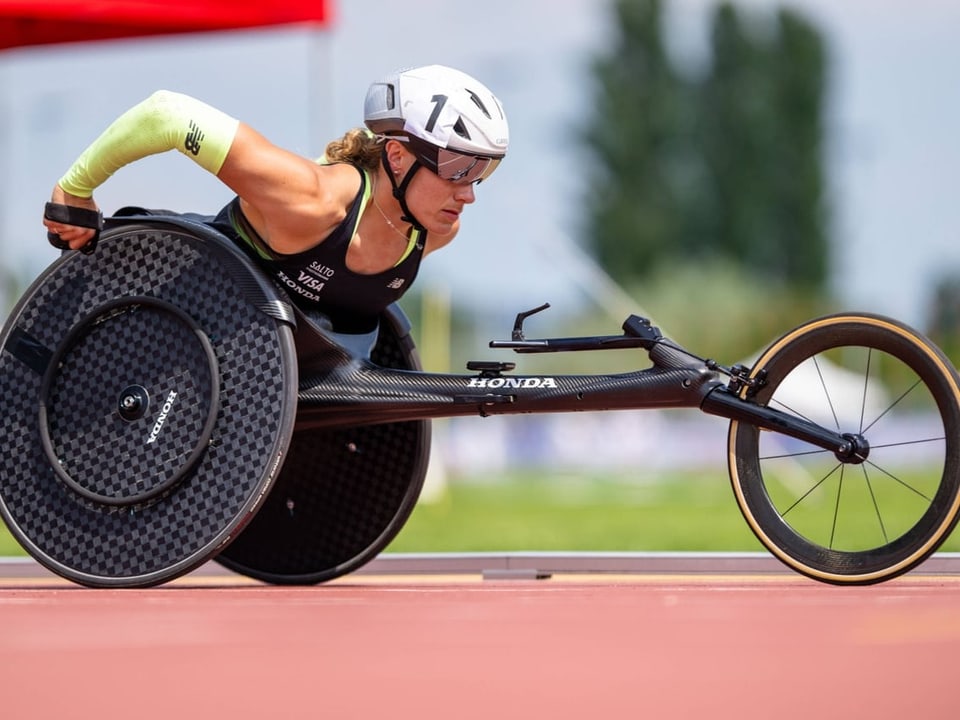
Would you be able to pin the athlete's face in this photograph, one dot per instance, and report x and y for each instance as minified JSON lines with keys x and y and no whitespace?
{"x":435,"y":202}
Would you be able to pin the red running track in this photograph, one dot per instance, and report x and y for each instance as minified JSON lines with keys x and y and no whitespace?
{"x":460,"y":648}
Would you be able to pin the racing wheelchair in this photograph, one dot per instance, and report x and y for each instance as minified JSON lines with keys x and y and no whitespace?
{"x":165,"y":404}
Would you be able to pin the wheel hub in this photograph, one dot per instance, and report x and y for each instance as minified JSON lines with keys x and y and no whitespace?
{"x":855,"y":450}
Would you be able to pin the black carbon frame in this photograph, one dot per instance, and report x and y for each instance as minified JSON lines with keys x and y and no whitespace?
{"x":348,"y":390}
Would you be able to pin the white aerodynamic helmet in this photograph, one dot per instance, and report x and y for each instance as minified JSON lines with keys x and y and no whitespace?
{"x":451,"y":122}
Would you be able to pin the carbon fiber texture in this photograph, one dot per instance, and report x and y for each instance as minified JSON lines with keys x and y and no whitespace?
{"x":144,"y":544}
{"x":342,"y":495}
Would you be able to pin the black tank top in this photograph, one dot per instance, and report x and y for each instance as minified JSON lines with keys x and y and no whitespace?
{"x":318,"y":278}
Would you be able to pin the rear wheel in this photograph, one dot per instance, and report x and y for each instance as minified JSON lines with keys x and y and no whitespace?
{"x":840,"y":522}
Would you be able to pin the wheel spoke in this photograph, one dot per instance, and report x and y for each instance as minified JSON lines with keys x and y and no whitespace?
{"x":866,"y":382}
{"x":876,"y":506}
{"x":893,"y":477}
{"x":891,"y":406}
{"x":918,"y":441}
{"x":795,"y":454}
{"x":817,"y":484}
{"x":787,"y":408}
{"x":826,"y":392}
{"x":836,"y":509}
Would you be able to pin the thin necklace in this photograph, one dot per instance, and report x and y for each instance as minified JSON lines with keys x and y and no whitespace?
{"x":406,"y":238}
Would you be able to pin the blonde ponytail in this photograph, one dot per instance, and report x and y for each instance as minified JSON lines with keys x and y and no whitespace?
{"x":358,"y":146}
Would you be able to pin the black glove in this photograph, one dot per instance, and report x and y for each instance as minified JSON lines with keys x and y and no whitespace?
{"x":70,"y":215}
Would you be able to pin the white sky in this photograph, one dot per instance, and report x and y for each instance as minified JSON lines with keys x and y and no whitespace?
{"x":894,"y":114}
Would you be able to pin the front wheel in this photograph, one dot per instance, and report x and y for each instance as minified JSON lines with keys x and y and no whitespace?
{"x":847,"y":523}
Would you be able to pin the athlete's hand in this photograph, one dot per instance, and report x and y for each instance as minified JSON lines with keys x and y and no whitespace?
{"x":75,"y":237}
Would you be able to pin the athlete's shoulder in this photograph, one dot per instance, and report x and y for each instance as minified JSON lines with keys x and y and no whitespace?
{"x":342,"y":181}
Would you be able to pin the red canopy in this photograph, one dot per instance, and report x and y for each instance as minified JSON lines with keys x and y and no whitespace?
{"x":40,"y":22}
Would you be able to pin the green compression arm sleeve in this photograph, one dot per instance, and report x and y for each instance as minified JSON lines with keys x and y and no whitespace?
{"x":164,"y":121}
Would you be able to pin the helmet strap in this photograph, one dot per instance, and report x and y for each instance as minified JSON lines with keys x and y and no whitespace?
{"x":400,"y":191}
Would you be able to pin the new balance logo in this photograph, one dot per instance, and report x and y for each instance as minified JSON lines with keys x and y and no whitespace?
{"x":193,"y":139}
{"x":395,"y":284}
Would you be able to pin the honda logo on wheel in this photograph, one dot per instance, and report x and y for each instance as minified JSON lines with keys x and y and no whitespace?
{"x":164,"y":411}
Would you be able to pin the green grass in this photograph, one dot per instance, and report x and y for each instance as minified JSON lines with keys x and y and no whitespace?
{"x":529,"y":512}
{"x":693,"y":512}
{"x":8,"y":546}
{"x":578,"y":513}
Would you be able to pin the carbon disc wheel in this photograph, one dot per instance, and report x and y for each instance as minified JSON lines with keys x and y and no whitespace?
{"x":343,"y":494}
{"x":148,"y":396}
{"x":852,"y":522}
